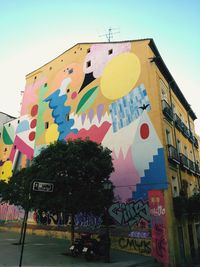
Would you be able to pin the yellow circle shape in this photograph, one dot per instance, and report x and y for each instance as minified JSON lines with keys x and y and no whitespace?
{"x":120,"y":75}
{"x":6,"y":171}
{"x":52,"y":134}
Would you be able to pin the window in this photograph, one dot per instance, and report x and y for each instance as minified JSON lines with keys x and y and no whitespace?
{"x":88,"y":50}
{"x":9,"y":124}
{"x":45,"y":85}
{"x":5,"y":149}
{"x":46,"y":125}
{"x":50,"y":68}
{"x":70,"y":71}
{"x":88,"y":64}
{"x":163,"y":91}
{"x":174,"y":187}
{"x":110,"y":51}
{"x":191,"y":155}
{"x":168,"y":137}
{"x":178,"y":146}
{"x":67,"y":117}
{"x":185,"y":151}
{"x":0,"y":135}
{"x":18,"y":121}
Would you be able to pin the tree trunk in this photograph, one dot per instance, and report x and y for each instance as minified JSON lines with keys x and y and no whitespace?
{"x":72,"y":228}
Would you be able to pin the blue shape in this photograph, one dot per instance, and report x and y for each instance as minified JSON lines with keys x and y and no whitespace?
{"x":128,"y":107}
{"x":60,"y":113}
{"x":23,"y":126}
{"x":154,"y":178}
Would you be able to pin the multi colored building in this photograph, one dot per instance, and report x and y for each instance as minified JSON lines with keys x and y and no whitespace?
{"x":120,"y":94}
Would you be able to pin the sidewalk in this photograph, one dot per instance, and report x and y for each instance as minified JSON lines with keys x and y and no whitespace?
{"x":42,"y":251}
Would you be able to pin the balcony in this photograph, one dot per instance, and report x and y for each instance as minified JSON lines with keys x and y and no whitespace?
{"x":167,"y":110}
{"x":196,"y":144}
{"x":178,"y":122}
{"x":173,"y":154}
{"x":191,"y":166}
{"x":184,"y":161}
{"x":191,"y":137}
{"x":197,"y":170}
{"x":185,"y":130}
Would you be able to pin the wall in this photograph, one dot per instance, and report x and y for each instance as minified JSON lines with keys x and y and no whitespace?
{"x":105,"y":92}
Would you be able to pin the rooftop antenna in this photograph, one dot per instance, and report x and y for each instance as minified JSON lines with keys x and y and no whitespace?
{"x":110,"y":34}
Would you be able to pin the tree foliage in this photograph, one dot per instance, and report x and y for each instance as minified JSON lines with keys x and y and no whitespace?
{"x":78,"y":169}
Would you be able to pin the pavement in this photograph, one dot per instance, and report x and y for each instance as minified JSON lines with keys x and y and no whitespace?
{"x":40,"y":251}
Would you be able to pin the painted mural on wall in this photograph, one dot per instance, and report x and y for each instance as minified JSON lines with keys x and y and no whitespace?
{"x":10,"y":213}
{"x":101,"y":96}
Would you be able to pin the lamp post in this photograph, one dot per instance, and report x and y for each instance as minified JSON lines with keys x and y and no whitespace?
{"x":107,"y":187}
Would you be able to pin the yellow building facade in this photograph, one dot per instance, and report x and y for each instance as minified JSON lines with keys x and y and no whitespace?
{"x":122,"y":95}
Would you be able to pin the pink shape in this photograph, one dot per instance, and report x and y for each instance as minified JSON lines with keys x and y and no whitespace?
{"x":74,"y":95}
{"x":95,"y":133}
{"x":125,"y":176}
{"x":22,"y":147}
{"x":30,"y":95}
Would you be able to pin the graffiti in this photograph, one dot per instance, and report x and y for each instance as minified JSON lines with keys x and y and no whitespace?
{"x":160,"y":241}
{"x":80,"y":219}
{"x":131,"y":213}
{"x":159,"y":235}
{"x":85,"y":220}
{"x":157,"y":211}
{"x":46,"y":218}
{"x":139,"y":234}
{"x":10,"y":212}
{"x":142,"y":246}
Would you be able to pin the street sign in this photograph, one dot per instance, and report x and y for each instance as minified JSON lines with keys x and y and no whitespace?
{"x":43,"y":187}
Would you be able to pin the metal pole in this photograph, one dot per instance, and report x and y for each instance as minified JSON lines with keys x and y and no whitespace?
{"x":24,"y":231}
{"x":107,"y":241}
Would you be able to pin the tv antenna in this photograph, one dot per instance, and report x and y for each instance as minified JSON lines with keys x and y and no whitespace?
{"x":110,"y":34}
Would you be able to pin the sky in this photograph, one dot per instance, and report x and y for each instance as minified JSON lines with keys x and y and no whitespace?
{"x":34,"y":32}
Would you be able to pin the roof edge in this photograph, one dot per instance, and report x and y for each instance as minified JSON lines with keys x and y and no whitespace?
{"x":169,"y":78}
{"x":85,"y":43}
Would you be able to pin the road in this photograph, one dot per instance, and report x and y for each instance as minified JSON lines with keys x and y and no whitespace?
{"x":46,"y":251}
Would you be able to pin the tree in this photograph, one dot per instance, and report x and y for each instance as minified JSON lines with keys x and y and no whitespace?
{"x":78,"y":168}
{"x":3,"y":188}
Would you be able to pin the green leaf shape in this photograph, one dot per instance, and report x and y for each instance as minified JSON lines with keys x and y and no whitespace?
{"x":6,"y":137}
{"x":87,"y":100}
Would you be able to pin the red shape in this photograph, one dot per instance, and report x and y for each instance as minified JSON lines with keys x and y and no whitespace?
{"x":144,"y":131}
{"x":95,"y":133}
{"x":33,"y":123}
{"x":31,"y":136}
{"x":34,"y":110}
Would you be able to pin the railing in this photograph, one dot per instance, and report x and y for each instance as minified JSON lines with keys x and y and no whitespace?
{"x":167,"y":110}
{"x":191,"y":166}
{"x":185,"y":130}
{"x":173,"y":154}
{"x":184,"y":161}
{"x":197,"y":170}
{"x":196,"y":144}
{"x":178,"y":122}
